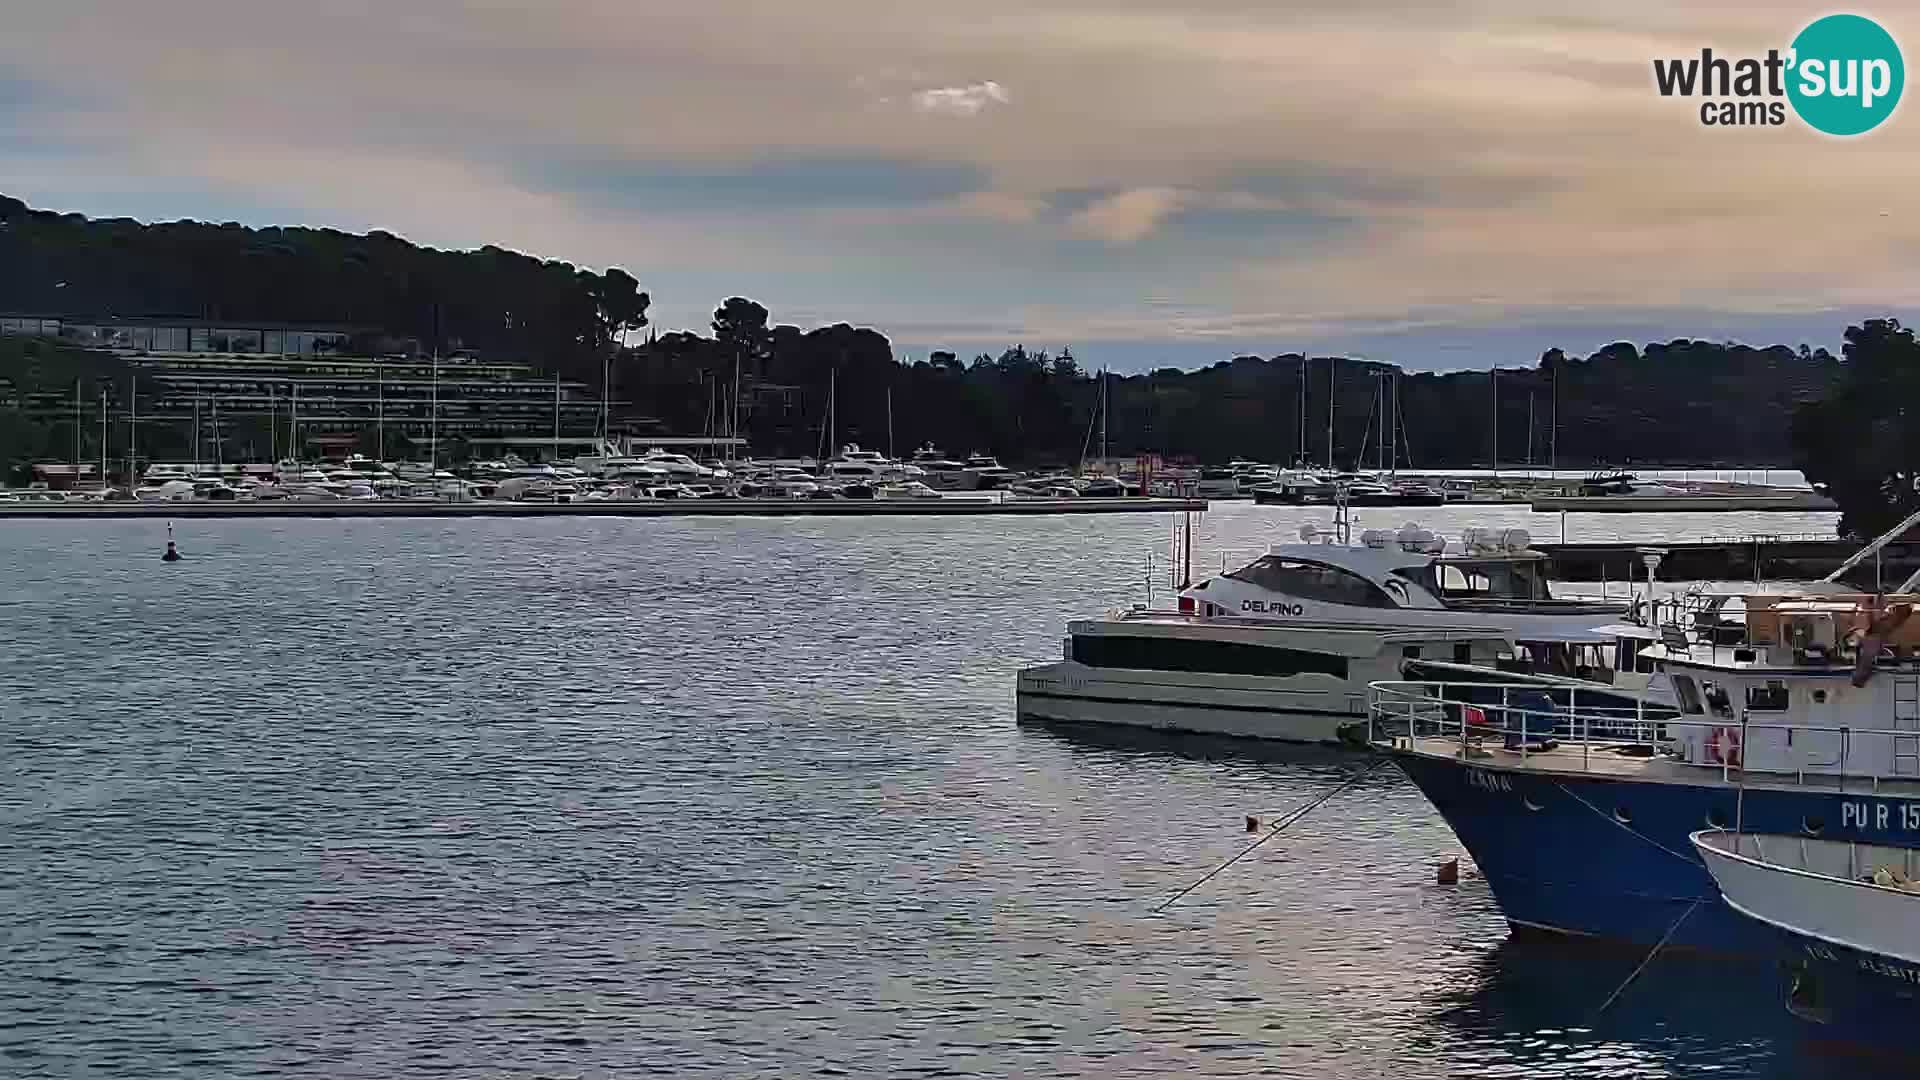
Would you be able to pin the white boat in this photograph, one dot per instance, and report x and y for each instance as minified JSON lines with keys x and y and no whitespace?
{"x":1284,"y":647}
{"x":177,"y":490}
{"x":905,"y":489}
{"x":1847,"y":917}
{"x":1255,"y":678}
{"x":941,"y":472}
{"x":855,"y":465}
{"x":983,"y":472}
{"x":1217,"y":483}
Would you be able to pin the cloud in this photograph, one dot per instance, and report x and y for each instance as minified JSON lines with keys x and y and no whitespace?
{"x":968,"y":100}
{"x":1126,"y":217}
{"x":1486,"y":158}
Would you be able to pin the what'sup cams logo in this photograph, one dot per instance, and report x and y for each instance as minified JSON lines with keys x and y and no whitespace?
{"x":1842,"y":75}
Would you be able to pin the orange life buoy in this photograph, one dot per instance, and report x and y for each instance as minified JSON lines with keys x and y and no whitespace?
{"x":1723,"y":746}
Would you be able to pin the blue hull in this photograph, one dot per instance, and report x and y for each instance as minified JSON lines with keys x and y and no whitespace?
{"x":1605,"y":857}
{"x":1850,"y":997}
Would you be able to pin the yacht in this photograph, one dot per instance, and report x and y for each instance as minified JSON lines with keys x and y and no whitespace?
{"x":985,"y":473}
{"x":861,"y":466}
{"x":939,"y":471}
{"x":1217,"y":483}
{"x":1101,"y":487}
{"x":1263,"y":678}
{"x":1294,"y":487}
{"x":1285,"y":646}
{"x":167,"y":490}
{"x":905,"y":489}
{"x":678,"y":468}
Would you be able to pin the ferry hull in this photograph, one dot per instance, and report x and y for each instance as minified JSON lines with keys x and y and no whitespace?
{"x":1069,"y":693}
{"x":1595,"y":856}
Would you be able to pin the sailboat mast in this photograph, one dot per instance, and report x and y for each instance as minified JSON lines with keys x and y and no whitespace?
{"x":380,"y":409}
{"x":1331,"y":374}
{"x":76,"y":433}
{"x":103,"y":438}
{"x":133,"y":409}
{"x":889,"y":422}
{"x":1103,"y":418}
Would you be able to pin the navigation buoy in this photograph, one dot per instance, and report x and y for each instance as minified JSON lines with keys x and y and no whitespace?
{"x":1449,"y":872}
{"x":172,"y":553}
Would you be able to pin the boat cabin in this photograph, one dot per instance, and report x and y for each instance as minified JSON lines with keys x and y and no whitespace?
{"x":1823,"y":685}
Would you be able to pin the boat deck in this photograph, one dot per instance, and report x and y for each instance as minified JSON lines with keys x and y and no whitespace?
{"x":1604,"y":759}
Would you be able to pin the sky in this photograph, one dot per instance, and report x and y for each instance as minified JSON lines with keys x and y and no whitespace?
{"x":1435,"y":183}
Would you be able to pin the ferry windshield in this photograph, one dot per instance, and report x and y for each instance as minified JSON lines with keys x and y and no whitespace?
{"x":1504,"y":579}
{"x":1312,"y":581}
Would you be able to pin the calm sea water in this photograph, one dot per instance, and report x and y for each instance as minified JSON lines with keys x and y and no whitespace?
{"x":721,"y":797}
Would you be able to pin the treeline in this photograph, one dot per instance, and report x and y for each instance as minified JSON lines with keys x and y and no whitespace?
{"x":490,"y":300}
{"x":1859,"y":443}
{"x":1682,"y":401}
{"x":1686,"y":401}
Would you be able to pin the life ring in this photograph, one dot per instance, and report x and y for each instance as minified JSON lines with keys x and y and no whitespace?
{"x":1723,"y":746}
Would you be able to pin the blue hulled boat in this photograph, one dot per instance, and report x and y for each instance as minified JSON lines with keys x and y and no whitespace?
{"x":1579,"y":813}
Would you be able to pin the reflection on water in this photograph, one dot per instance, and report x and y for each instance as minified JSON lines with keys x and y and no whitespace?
{"x":727,"y":798}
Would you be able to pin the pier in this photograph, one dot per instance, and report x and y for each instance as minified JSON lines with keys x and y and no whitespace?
{"x":408,"y":508}
{"x":1748,"y":558}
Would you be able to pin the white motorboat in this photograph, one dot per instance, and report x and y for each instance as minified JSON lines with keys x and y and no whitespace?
{"x":1284,"y":647}
{"x":905,"y":489}
{"x":1295,"y":681}
{"x":939,"y":471}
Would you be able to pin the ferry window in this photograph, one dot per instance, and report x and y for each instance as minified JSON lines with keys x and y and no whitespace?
{"x":1184,"y":654}
{"x":1769,"y":698}
{"x":1717,"y":699}
{"x":1505,"y":580}
{"x":1313,"y":581}
{"x":1463,"y":653}
{"x":1688,"y":694}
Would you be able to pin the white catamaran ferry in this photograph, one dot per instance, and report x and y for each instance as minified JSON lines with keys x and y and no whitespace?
{"x":1284,"y":647}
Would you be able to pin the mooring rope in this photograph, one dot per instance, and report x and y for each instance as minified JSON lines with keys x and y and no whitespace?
{"x":1291,"y":817}
{"x":1655,"y":951}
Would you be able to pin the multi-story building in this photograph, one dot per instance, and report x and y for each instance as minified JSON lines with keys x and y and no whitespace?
{"x":230,"y":391}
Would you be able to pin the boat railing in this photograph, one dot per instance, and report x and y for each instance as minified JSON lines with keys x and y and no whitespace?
{"x":1529,"y":719}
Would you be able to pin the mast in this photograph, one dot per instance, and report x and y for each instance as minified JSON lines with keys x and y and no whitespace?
{"x":133,"y":409}
{"x":1300,"y":460}
{"x":1493,"y":383}
{"x":1385,"y":418}
{"x":196,"y":436}
{"x":76,"y":433}
{"x":433,"y":417}
{"x":1553,"y":424}
{"x":217,"y":457}
{"x":556,"y":417}
{"x":103,"y":438}
{"x":294,"y":450}
{"x":1529,"y":433}
{"x":1104,"y":391}
{"x":1331,"y":372}
{"x":273,"y":427}
{"x":380,"y":409}
{"x":890,"y":423}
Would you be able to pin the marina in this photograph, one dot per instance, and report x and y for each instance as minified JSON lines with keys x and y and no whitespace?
{"x":694,"y":507}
